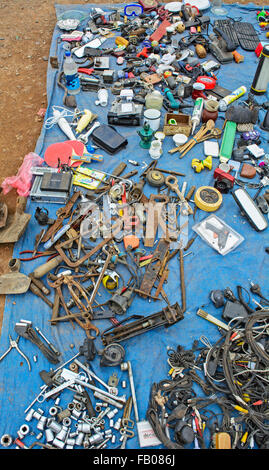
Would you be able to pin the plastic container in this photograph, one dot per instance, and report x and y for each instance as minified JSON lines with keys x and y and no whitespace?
{"x":217,"y":234}
{"x":154,"y":100}
{"x":70,"y":70}
{"x":153,"y":118}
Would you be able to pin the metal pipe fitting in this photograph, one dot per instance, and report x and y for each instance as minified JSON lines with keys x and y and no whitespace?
{"x":70,"y":442}
{"x":84,"y":428}
{"x":23,"y":431}
{"x":79,"y":439}
{"x":117,"y":425}
{"x":76,"y":414}
{"x":96,"y":439}
{"x":53,"y":411}
{"x":54,"y":426}
{"x":62,"y":434}
{"x":29,"y":415}
{"x":57,"y":443}
{"x":6,"y":440}
{"x":41,"y":423}
{"x":49,"y":436}
{"x":67,"y":422}
{"x":37,"y":415}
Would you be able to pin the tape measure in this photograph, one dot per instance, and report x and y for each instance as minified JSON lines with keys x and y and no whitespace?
{"x":209,"y":82}
{"x":110,"y":283}
{"x":208,"y":198}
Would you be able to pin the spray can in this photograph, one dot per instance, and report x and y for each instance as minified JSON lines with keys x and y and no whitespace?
{"x":223,"y":104}
{"x":197,"y":113}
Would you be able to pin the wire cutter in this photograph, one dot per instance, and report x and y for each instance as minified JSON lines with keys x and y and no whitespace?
{"x":36,"y":254}
{"x":14,"y":344}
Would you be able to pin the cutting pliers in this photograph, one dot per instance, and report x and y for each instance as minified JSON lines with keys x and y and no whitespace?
{"x":14,"y":344}
{"x":36,"y":254}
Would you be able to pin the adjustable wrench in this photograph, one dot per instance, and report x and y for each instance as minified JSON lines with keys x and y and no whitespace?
{"x":84,"y":137}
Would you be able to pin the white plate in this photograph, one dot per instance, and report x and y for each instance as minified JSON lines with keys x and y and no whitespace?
{"x":200,"y":4}
{"x":173,"y":7}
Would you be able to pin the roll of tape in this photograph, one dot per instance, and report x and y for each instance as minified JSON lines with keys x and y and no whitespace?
{"x":208,"y":198}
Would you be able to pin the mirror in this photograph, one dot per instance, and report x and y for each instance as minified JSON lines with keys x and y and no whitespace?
{"x":250,"y":209}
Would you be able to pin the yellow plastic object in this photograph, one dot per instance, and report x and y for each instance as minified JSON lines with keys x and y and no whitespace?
{"x":110,"y":283}
{"x":239,"y":408}
{"x":244,"y":438}
{"x":208,"y":198}
{"x":84,"y":120}
{"x":199,"y":165}
{"x":223,"y":440}
{"x":120,"y":41}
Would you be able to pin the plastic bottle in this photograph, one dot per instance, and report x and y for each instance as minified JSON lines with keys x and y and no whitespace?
{"x":154,"y":100}
{"x":71,"y":74}
{"x":223,"y":104}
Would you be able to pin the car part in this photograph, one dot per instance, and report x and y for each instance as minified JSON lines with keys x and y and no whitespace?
{"x":248,"y":206}
{"x":112,"y":355}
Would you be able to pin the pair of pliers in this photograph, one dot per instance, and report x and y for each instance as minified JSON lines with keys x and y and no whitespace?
{"x":14,"y":344}
{"x":37,"y":254}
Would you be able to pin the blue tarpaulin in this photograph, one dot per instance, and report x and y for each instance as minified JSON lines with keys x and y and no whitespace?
{"x":205,"y":269}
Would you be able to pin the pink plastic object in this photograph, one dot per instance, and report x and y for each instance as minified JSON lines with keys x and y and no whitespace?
{"x":22,"y":182}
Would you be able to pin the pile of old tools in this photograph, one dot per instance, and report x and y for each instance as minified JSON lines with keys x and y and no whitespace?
{"x":79,"y":264}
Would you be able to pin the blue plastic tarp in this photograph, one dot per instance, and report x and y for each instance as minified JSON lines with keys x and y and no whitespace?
{"x":205,"y":269}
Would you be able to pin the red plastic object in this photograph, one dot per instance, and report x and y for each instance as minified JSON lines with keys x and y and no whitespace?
{"x":220,"y":175}
{"x":198,"y":94}
{"x":209,"y":82}
{"x":259,"y":49}
{"x":85,"y":70}
{"x":160,"y":31}
{"x":143,"y":53}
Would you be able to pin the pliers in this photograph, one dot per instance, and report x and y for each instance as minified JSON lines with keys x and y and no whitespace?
{"x":37,"y":254}
{"x":14,"y":344}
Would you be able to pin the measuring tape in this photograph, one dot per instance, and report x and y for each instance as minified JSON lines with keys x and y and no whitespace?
{"x":208,"y":198}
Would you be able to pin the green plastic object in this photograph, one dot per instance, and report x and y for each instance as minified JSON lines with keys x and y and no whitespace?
{"x":227,"y":141}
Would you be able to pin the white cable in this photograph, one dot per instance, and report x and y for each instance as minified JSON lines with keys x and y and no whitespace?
{"x":61,"y":113}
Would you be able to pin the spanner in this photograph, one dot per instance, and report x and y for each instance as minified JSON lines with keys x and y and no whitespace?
{"x":84,"y":137}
